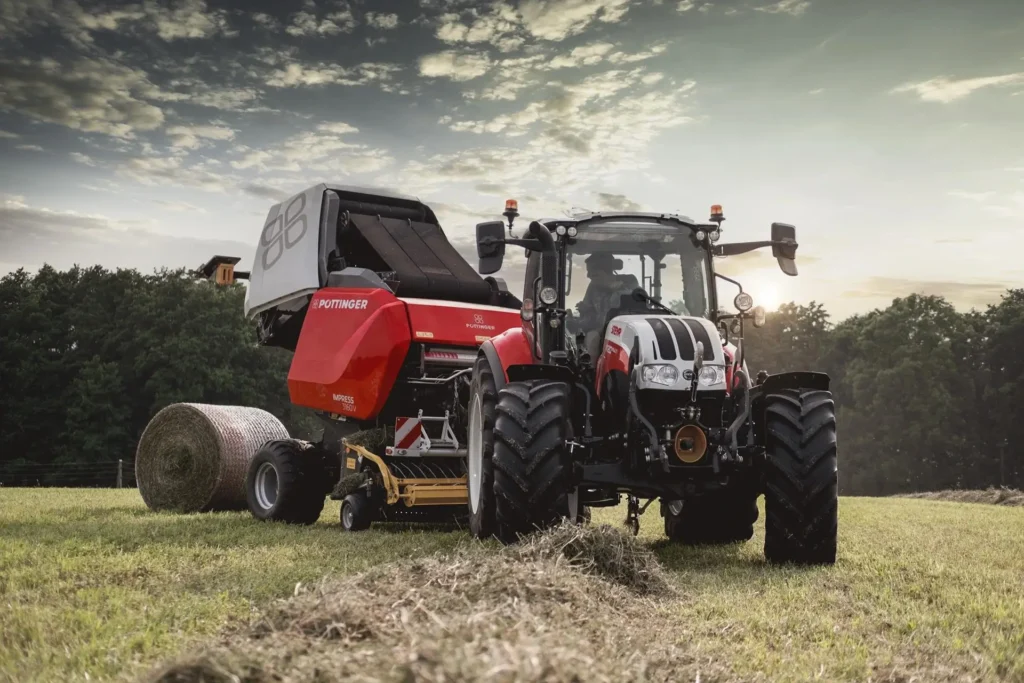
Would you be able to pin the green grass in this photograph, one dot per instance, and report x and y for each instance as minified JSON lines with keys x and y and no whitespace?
{"x":92,"y":583}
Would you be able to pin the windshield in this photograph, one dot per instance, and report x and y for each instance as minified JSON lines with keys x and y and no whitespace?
{"x":608,"y":260}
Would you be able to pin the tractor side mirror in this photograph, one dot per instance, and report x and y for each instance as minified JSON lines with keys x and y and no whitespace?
{"x":784,"y":247}
{"x":490,"y":246}
{"x":698,"y":358}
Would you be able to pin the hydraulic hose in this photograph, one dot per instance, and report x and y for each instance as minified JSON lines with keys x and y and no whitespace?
{"x":655,"y":446}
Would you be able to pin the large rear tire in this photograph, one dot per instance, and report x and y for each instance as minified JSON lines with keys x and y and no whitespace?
{"x":285,"y":483}
{"x":801,"y":477}
{"x":532,"y":468}
{"x":480,"y":437}
{"x":715,"y":519}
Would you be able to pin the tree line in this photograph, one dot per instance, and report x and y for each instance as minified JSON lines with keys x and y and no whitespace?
{"x":927,"y":397}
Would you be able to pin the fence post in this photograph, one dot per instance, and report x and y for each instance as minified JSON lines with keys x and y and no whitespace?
{"x":120,"y":480}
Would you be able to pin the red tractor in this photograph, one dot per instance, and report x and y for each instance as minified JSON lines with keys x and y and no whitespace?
{"x":623,"y":379}
{"x":385,"y":320}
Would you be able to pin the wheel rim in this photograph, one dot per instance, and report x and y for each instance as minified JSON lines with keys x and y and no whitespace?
{"x":475,"y":459}
{"x":346,"y":516}
{"x":266,"y":486}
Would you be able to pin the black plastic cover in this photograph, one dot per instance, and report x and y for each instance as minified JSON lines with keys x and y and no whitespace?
{"x":424,"y":262}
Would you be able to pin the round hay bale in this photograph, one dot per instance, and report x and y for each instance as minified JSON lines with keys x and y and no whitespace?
{"x":193,"y":457}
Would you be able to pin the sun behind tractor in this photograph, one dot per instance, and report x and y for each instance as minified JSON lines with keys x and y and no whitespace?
{"x":641,"y":391}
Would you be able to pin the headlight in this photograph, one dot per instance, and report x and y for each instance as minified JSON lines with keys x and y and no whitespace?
{"x":711,"y":375}
{"x":560,"y":230}
{"x":548,"y":295}
{"x":743,"y":302}
{"x":661,"y":374}
{"x":573,"y":231}
{"x":527,"y":311}
{"x":715,"y":235}
{"x":700,"y":235}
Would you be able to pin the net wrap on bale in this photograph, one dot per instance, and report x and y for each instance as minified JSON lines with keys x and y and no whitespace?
{"x":193,"y":457}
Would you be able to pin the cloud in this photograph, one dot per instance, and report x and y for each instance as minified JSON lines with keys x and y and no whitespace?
{"x":94,"y":95}
{"x":187,"y":19}
{"x":945,"y":90}
{"x":33,"y":236}
{"x":685,"y":5}
{"x":792,"y":7}
{"x":179,"y":206}
{"x":500,"y":26}
{"x":265,"y":191}
{"x":4,"y":135}
{"x":973,"y":294}
{"x":29,"y":148}
{"x":157,"y":171}
{"x":307,"y":23}
{"x":595,"y":128}
{"x":617,"y":202}
{"x":558,"y":19}
{"x":82,"y":158}
{"x":266,"y":21}
{"x":324,"y":149}
{"x":1009,"y":205}
{"x":170,"y":21}
{"x":455,"y":66}
{"x":382,"y":21}
{"x":190,"y":137}
{"x":295,"y":74}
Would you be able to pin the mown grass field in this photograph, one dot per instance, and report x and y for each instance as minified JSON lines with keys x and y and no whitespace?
{"x":94,"y":586}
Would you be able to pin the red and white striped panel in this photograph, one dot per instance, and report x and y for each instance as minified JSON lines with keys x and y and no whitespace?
{"x":408,"y":432}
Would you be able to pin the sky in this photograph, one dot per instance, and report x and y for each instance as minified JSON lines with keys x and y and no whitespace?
{"x":889,"y":132}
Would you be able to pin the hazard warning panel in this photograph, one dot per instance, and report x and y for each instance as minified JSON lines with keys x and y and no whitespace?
{"x":408,"y":432}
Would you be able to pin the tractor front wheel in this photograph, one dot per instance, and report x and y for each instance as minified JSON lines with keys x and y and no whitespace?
{"x":532,"y":468}
{"x":285,"y":483}
{"x":801,"y":477}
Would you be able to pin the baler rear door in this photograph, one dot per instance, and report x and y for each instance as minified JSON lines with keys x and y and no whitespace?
{"x":287,"y":262}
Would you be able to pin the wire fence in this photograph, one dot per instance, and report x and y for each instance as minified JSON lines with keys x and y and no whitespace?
{"x":109,"y":474}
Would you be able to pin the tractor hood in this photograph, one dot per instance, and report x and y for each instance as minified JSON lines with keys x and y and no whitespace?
{"x":669,"y":340}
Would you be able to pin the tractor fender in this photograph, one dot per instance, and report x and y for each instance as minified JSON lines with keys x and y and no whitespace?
{"x":520,"y":373}
{"x":779,"y":382}
{"x":794,"y":380}
{"x":505,"y":350}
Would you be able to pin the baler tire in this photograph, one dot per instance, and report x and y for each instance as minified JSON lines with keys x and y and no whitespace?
{"x":298,"y":496}
{"x":722,"y":519}
{"x":359,"y":512}
{"x":481,"y":521}
{"x":801,"y":478}
{"x":532,"y":467}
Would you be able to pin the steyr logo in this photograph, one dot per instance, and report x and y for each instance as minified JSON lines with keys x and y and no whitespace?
{"x":616,"y":330}
{"x":478,"y":319}
{"x":346,"y":304}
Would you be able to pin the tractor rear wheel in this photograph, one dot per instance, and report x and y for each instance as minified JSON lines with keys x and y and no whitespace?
{"x":532,"y":468}
{"x":285,"y":483}
{"x":479,"y":466}
{"x":715,"y":519}
{"x":801,"y":477}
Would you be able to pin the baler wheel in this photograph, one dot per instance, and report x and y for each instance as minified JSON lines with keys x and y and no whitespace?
{"x":532,"y":468}
{"x":285,"y":483}
{"x":356,"y":512}
{"x":479,"y":465}
{"x":801,"y":477}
